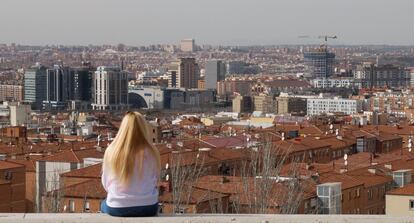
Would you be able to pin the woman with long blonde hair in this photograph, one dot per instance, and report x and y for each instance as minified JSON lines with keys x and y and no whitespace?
{"x":130,"y":170}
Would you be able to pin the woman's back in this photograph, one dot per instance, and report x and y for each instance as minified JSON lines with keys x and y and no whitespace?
{"x":141,"y":189}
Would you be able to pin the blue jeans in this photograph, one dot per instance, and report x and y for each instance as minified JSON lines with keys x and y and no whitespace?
{"x":138,"y":211}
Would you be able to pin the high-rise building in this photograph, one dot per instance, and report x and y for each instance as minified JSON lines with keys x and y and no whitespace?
{"x":82,"y":82}
{"x":320,"y":62}
{"x":184,"y":73}
{"x":215,"y":71}
{"x":110,"y":87}
{"x":58,"y":81}
{"x":59,"y":87}
{"x":187,"y":45}
{"x":370,"y":75}
{"x":35,"y":86}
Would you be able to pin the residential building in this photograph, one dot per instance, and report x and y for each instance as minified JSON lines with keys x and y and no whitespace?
{"x":317,"y":106}
{"x":369,"y":75}
{"x":19,"y":114}
{"x":227,"y":89}
{"x":400,"y":201}
{"x":291,"y":105}
{"x":264,"y":103}
{"x":215,"y":72}
{"x":184,"y":73}
{"x":12,"y":187}
{"x":242,"y":104}
{"x":110,"y":89}
{"x":11,"y":92}
{"x":187,"y":45}
{"x":49,"y":168}
{"x":333,"y":82}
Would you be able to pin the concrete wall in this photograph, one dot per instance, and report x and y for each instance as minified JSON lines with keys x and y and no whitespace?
{"x":220,"y":218}
{"x":398,"y":205}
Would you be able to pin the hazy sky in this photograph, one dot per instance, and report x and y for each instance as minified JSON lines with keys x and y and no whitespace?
{"x":227,"y":22}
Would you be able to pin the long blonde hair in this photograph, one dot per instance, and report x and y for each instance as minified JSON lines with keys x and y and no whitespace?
{"x":129,"y":144}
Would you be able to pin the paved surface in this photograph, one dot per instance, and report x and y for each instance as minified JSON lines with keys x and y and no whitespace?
{"x":207,"y":218}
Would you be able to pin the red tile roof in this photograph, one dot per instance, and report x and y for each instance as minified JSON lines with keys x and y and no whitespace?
{"x":93,"y":171}
{"x":408,"y":190}
{"x":91,"y":189}
{"x":9,"y":165}
{"x":73,"y":156}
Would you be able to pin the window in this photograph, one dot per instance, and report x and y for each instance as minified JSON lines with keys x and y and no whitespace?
{"x":369,"y":194}
{"x":87,"y":206}
{"x":8,"y":175}
{"x":71,"y":206}
{"x":411,"y":205}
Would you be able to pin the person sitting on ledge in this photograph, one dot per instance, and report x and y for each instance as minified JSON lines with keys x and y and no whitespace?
{"x":130,"y":171}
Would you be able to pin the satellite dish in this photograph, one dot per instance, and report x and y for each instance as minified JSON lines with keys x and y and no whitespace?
{"x":346,"y":157}
{"x":166,"y":166}
{"x":330,"y":126}
{"x":167,"y":177}
{"x":346,"y":162}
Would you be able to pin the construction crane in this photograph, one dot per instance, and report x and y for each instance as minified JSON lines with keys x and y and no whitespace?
{"x":326,"y":37}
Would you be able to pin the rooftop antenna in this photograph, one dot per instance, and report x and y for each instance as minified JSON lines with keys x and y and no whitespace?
{"x":346,"y":161}
{"x":99,"y":140}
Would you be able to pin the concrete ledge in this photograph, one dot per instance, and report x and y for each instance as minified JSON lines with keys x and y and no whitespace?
{"x":200,"y":218}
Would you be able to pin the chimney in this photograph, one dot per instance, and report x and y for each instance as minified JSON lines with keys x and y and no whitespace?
{"x":223,"y":180}
{"x":372,"y":170}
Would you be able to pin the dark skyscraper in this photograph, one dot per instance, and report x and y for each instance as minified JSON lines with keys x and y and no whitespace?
{"x":82,"y":82}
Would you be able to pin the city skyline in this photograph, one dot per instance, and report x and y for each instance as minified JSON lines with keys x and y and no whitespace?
{"x":227,"y":23}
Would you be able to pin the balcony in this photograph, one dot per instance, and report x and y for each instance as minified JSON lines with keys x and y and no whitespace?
{"x":198,"y":218}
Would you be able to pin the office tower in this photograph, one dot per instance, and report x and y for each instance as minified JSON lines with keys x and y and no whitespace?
{"x":371,"y":75}
{"x":59,"y":81}
{"x":188,"y":45}
{"x":184,"y":73}
{"x":35,"y":86}
{"x":57,"y":86}
{"x":82,"y":82}
{"x":215,"y":71}
{"x":110,"y":87}
{"x":320,"y":62}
